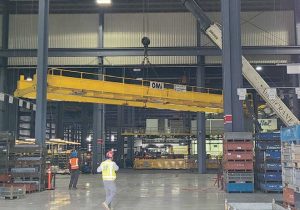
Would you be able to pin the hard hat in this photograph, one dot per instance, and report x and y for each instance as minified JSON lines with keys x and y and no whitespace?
{"x":73,"y":154}
{"x":110,"y":154}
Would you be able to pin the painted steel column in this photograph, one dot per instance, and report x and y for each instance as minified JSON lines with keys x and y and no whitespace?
{"x":296,"y":80}
{"x":99,"y":113}
{"x":201,"y":136}
{"x":60,"y":120}
{"x":84,"y":124}
{"x":130,"y":139}
{"x":120,"y":138}
{"x":42,"y":68}
{"x":232,"y":64}
{"x":3,"y":70}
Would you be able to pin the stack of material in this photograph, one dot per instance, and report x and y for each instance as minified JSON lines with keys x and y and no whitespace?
{"x":29,"y":167}
{"x":238,"y":162}
{"x":268,"y":162}
{"x":290,"y":139}
{"x":6,"y":140}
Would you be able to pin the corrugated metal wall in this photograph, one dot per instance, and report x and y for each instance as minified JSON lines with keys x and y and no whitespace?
{"x":65,"y":31}
{"x":261,"y":29}
{"x":164,"y":30}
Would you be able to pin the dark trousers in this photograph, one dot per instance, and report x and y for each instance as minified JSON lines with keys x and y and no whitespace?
{"x":74,"y":178}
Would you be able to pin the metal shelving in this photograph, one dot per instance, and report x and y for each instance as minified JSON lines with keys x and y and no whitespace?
{"x":268,"y":162}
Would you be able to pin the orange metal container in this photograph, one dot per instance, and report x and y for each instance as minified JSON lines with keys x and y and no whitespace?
{"x":238,"y":155}
{"x":234,"y":146}
{"x":289,"y":196}
{"x":238,"y":165}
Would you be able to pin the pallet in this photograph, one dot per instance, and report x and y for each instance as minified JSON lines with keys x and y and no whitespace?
{"x":12,"y":192}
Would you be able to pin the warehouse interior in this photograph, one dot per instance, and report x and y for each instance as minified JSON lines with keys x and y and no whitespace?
{"x":198,"y":100}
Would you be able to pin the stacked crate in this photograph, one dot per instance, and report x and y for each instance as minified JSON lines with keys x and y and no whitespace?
{"x":290,"y":143}
{"x":238,"y":162}
{"x":29,"y":167}
{"x":268,"y":162}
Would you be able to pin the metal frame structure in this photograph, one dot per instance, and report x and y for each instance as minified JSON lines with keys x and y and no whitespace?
{"x":152,"y":51}
{"x":103,"y":52}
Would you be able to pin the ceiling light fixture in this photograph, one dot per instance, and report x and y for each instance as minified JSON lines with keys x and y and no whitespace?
{"x":259,"y":68}
{"x":104,"y":2}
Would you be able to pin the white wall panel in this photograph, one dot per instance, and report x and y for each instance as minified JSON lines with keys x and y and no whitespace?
{"x":163,"y":29}
{"x":267,"y":28}
{"x":56,"y":61}
{"x":65,"y":31}
{"x":262,"y":28}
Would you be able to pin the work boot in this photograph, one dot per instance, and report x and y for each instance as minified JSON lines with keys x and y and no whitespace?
{"x":105,"y":206}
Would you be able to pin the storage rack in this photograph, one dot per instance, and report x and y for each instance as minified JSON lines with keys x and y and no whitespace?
{"x":268,"y":176}
{"x":29,"y":167}
{"x":290,"y":157}
{"x":238,"y":162}
{"x":6,"y":141}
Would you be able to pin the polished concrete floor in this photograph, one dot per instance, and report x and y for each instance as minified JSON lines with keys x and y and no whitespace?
{"x":137,"y":190}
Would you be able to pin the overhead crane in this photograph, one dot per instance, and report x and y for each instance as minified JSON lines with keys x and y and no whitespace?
{"x":74,"y":86}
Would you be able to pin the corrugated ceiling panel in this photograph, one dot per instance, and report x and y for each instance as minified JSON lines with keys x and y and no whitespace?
{"x":164,"y":30}
{"x":254,"y":59}
{"x":65,"y":31}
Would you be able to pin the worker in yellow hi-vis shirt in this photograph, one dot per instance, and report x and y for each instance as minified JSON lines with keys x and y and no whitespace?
{"x":108,"y":169}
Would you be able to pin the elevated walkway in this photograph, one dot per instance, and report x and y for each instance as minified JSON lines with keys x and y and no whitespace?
{"x":73,"y":86}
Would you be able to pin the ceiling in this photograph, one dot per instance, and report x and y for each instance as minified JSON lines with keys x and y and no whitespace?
{"x":89,"y":6}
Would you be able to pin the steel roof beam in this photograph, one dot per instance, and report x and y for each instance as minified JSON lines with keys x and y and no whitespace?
{"x":163,"y":51}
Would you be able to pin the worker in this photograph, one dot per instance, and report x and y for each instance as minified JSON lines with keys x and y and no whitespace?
{"x":108,"y":169}
{"x":74,"y":170}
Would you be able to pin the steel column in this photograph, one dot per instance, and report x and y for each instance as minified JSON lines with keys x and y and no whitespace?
{"x":60,"y":120}
{"x":232,"y":64}
{"x":42,"y":68}
{"x":84,"y":124}
{"x":201,"y":140}
{"x":120,"y":139}
{"x":130,"y":139}
{"x":295,"y":79}
{"x":99,"y":113}
{"x":4,"y":106}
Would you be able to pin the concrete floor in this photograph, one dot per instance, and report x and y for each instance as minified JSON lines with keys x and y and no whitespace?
{"x":140,"y":190}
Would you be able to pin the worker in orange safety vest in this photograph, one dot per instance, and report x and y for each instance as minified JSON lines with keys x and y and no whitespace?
{"x":74,"y":170}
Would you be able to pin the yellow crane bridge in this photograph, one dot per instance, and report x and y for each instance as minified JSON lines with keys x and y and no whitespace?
{"x":74,"y":86}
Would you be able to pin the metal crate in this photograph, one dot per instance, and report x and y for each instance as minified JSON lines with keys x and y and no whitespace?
{"x":238,"y":155}
{"x":238,"y":166}
{"x":288,"y":175}
{"x":238,"y":177}
{"x":239,"y":187}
